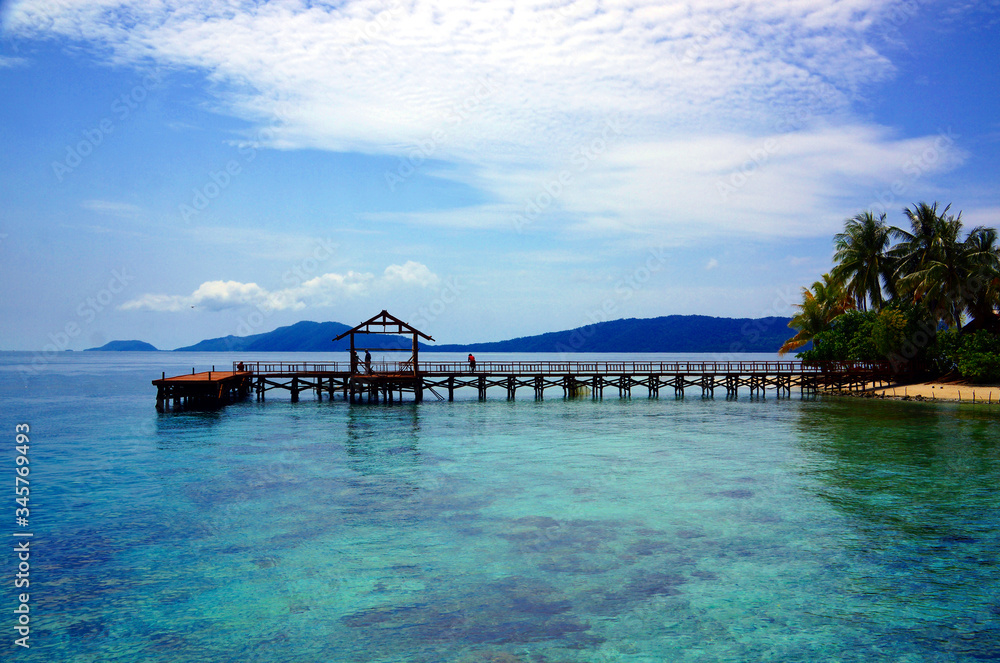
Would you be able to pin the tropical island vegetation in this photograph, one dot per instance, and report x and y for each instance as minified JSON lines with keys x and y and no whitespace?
{"x":925,"y":298}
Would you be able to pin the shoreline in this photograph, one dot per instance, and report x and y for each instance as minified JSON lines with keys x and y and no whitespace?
{"x":945,"y":392}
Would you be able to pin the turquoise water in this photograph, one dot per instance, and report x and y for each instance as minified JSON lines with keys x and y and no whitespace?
{"x":555,"y":531}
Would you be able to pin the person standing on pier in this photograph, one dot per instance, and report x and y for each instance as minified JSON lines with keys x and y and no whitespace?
{"x":368,"y":361}
{"x":472,"y":363}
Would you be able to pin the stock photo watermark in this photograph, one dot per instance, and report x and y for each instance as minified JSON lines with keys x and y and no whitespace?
{"x":716,"y":28}
{"x":222,"y":178}
{"x":752,"y":331}
{"x":294,"y":277}
{"x":22,"y":535}
{"x":756,"y":159}
{"x":449,"y":293}
{"x":427,"y":147}
{"x":372,"y":32}
{"x":123,"y":107}
{"x":625,"y":289}
{"x":582,"y":157}
{"x":913,"y":169}
{"x":87,"y":311}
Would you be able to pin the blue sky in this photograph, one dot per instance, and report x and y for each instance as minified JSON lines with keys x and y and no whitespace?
{"x":173,"y":171}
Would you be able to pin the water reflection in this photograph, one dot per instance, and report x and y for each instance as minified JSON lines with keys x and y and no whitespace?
{"x":921,"y":471}
{"x":383,"y":440}
{"x":174,"y":429}
{"x":915,"y":486}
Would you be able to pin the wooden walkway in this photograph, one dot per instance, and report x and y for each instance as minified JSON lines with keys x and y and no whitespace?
{"x":389,"y":381}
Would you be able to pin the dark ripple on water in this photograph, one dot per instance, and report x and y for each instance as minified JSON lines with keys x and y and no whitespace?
{"x":514,"y":610}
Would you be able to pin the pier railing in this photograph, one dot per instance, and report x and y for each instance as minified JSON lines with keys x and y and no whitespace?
{"x":569,"y":367}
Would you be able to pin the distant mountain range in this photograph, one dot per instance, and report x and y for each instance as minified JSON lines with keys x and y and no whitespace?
{"x":672,"y":333}
{"x":305,"y":336}
{"x":124,"y":346}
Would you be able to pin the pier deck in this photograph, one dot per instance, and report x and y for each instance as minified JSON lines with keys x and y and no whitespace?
{"x":208,"y":388}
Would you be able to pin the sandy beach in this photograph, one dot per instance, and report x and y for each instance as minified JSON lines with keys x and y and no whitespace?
{"x":937,"y":391}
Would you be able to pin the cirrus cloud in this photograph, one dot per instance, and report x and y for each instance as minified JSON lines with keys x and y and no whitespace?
{"x":510,"y":90}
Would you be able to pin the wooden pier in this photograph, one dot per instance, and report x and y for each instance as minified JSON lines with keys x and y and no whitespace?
{"x":356,"y":380}
{"x":388,"y":381}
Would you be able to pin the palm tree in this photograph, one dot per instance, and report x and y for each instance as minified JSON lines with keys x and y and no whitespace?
{"x":933,"y":264}
{"x":983,"y":293}
{"x":819,"y":307}
{"x":863,"y":264}
{"x":916,"y":247}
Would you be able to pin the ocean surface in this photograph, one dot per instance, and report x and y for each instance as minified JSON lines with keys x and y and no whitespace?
{"x":562,"y":530}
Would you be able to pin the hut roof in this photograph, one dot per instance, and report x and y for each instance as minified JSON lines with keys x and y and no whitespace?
{"x":385,"y":320}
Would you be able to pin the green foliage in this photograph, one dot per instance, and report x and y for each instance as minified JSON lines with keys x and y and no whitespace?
{"x":934,"y":274}
{"x":946,"y":348}
{"x":906,"y":333}
{"x":850,"y":337}
{"x":819,"y":307}
{"x":900,"y":333}
{"x":935,"y":265}
{"x":978,"y":356}
{"x":889,"y":333}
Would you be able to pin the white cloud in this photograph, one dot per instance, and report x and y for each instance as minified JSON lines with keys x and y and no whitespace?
{"x":112,"y":208}
{"x":795,"y":184}
{"x":791,"y":184}
{"x":517,"y":92}
{"x":9,"y":62}
{"x":410,"y":273}
{"x":329,"y":289}
{"x":711,"y":264}
{"x":325,"y":290}
{"x":508,"y":79}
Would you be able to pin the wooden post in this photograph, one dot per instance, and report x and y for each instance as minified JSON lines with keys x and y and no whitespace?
{"x":418,"y":388}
